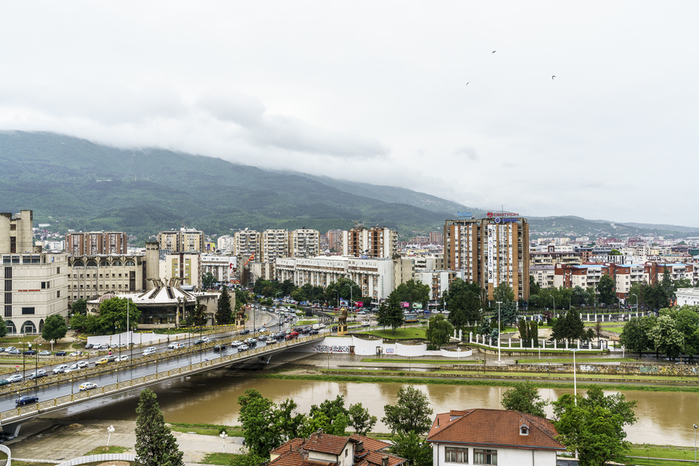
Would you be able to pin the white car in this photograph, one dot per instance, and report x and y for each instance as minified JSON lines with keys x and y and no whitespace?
{"x":83,"y":364}
{"x":60,"y":369}
{"x":72,"y":368}
{"x":87,"y":386}
{"x":123,"y":358}
{"x":149,"y":350}
{"x":243,"y":348}
{"x":176,"y":345}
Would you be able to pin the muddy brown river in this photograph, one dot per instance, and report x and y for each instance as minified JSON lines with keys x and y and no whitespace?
{"x":663,"y":418}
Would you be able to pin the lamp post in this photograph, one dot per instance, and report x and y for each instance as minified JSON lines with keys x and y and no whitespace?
{"x":223,"y":436}
{"x":499,"y":303}
{"x":575,"y":381}
{"x":23,"y":360}
{"x":36,"y":368}
{"x":695,"y":443}
{"x":636,"y":296}
{"x":110,"y":431}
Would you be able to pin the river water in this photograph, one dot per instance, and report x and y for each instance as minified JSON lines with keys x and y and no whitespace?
{"x":663,"y":417}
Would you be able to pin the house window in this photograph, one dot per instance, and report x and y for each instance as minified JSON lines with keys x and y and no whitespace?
{"x":485,"y":457}
{"x":456,"y":455}
{"x":27,"y":310}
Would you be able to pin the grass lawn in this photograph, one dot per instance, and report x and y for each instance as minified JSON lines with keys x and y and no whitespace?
{"x":423,"y":361}
{"x":105,"y":450}
{"x":218,"y":458}
{"x":403,"y":333}
{"x":659,"y":451}
{"x":206,"y":429}
{"x":307,"y":322}
{"x":578,"y":360}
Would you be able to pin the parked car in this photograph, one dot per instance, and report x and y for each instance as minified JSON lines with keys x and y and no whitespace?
{"x":60,"y":369}
{"x":10,"y":348}
{"x":37,"y":375}
{"x":13,"y":351}
{"x":14,"y":378}
{"x":89,"y":346}
{"x":30,"y":352}
{"x":25,"y":400}
{"x":45,"y":353}
{"x":61,"y":353}
{"x":87,"y":386}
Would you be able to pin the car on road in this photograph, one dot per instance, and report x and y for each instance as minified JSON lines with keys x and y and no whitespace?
{"x":123,"y":358}
{"x":10,"y":348}
{"x":101,"y":361}
{"x":262,"y":338}
{"x":199,"y":341}
{"x":236,"y":343}
{"x":314,"y":332}
{"x":219,"y":347}
{"x":30,"y":352}
{"x":83,"y":364}
{"x":176,"y":345}
{"x":243,"y":348}
{"x":45,"y":353}
{"x":25,"y":400}
{"x":61,"y":353}
{"x":60,"y":369}
{"x":37,"y":375}
{"x":76,"y":353}
{"x":72,"y":368}
{"x":366,"y":324}
{"x":87,"y":386}
{"x":149,"y":350}
{"x":205,"y":338}
{"x":14,"y":378}
{"x":244,"y":331}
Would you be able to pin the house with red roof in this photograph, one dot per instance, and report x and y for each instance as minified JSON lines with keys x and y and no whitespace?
{"x":322,"y":449}
{"x":493,"y":436}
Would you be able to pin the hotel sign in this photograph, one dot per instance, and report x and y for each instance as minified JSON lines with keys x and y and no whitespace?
{"x":501,"y":214}
{"x":490,"y":265}
{"x":462,"y":215}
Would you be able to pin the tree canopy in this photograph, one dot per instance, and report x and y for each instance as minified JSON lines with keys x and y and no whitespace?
{"x":344,"y":288}
{"x":464,"y":303}
{"x":595,"y":427}
{"x":413,"y":292}
{"x":439,"y":330}
{"x":569,"y":327}
{"x":55,"y":328}
{"x":155,"y":444}
{"x":411,"y":413}
{"x":224,"y":313}
{"x":606,"y":288}
{"x":524,"y":397}
{"x":390,"y":314}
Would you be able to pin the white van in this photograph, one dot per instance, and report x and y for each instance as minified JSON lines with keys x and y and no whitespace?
{"x":149,"y":350}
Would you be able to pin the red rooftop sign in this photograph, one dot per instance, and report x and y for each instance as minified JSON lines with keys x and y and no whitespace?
{"x":502,"y":214}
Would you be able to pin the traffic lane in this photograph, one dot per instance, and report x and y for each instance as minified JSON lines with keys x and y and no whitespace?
{"x":124,"y":373}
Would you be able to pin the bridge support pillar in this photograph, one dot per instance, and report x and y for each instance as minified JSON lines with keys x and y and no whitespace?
{"x":12,"y":428}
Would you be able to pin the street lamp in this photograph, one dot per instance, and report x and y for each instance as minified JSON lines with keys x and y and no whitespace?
{"x":695,"y":443}
{"x":110,"y":431}
{"x":223,"y":436}
{"x":23,"y":360}
{"x":636,"y":296}
{"x":499,"y":302}
{"x":575,"y":381}
{"x":36,"y":368}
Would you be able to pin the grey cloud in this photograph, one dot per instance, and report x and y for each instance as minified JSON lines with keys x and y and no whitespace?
{"x":469,"y":152}
{"x":233,"y":107}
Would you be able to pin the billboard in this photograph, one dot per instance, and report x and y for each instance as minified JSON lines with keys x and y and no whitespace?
{"x":359,"y":304}
{"x":404,"y":304}
{"x":344,"y":302}
{"x":417,"y":305}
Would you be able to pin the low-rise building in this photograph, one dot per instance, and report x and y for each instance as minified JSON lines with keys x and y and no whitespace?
{"x":491,"y":436}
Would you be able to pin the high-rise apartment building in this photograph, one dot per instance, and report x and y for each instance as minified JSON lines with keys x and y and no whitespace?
{"x":334,"y":240}
{"x":247,"y":243}
{"x":96,"y":242}
{"x":490,"y":251}
{"x":375,"y":242}
{"x":304,"y":243}
{"x":182,"y":240}
{"x":274,"y":244}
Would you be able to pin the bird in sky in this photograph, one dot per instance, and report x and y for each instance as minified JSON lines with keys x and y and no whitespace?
{"x":493,"y":51}
{"x":553,"y":77}
{"x":468,"y":83}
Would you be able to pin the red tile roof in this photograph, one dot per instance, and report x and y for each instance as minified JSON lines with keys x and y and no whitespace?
{"x":493,"y":427}
{"x":370,"y":443}
{"x":375,"y":458}
{"x":326,"y":443}
{"x":291,"y":445}
{"x":298,"y":458}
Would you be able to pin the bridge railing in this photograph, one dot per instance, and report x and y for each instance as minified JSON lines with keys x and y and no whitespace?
{"x":60,"y":401}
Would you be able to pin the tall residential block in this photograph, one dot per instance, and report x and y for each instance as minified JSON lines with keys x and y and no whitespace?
{"x":96,"y":242}
{"x":304,"y":242}
{"x":375,"y":242}
{"x":182,"y":240}
{"x":274,"y":244}
{"x":490,"y":251}
{"x":247,"y":243}
{"x":16,"y":234}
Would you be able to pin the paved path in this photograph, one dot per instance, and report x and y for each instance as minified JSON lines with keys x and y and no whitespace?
{"x":55,"y":441}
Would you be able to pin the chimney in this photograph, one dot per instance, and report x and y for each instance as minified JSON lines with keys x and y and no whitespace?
{"x":360,"y":446}
{"x":384,"y":460}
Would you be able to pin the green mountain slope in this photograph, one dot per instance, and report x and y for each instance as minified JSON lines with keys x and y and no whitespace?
{"x":83,"y":185}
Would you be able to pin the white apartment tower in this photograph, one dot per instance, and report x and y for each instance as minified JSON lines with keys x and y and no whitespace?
{"x":304,"y":243}
{"x":274,"y":244}
{"x":247,"y":243}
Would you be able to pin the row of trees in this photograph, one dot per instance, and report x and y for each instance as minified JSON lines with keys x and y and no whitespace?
{"x":673,"y":332}
{"x":343,"y":288}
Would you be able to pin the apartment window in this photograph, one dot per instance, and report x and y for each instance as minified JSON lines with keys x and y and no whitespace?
{"x":8,"y":311}
{"x":8,"y":286}
{"x":8,"y":298}
{"x":58,"y":294}
{"x":27,"y":310}
{"x":456,"y":455}
{"x":485,"y":456}
{"x":58,"y":270}
{"x":8,"y":273}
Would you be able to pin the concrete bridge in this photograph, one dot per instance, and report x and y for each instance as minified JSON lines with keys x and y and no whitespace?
{"x":135,"y":373}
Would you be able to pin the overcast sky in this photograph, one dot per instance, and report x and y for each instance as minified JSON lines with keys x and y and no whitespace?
{"x":455,"y":99}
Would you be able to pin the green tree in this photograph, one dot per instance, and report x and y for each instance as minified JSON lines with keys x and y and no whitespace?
{"x":79,"y":307}
{"x":579,"y":296}
{"x":606,"y":288}
{"x":687,"y":320}
{"x":413,"y":292}
{"x":411,"y":447}
{"x":112,"y":317}
{"x":503,"y":293}
{"x":155,"y":444}
{"x":55,"y":328}
{"x":258,"y":419}
{"x":360,"y":419}
{"x":508,"y":313}
{"x":248,"y":458}
{"x":534,"y":287}
{"x":667,"y":285}
{"x":77,"y":322}
{"x":3,"y":328}
{"x":524,"y":397}
{"x":411,"y":413}
{"x":390,"y":314}
{"x":345,"y":289}
{"x":287,"y":420}
{"x":224,"y":313}
{"x":635,"y":334}
{"x":569,"y":327}
{"x":208,"y":280}
{"x":439,"y":330}
{"x":666,"y":336}
{"x":197,"y":317}
{"x":464,"y":303}
{"x":595,"y":427}
{"x":528,"y":331}
{"x":298,"y":295}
